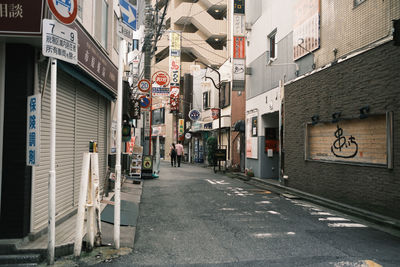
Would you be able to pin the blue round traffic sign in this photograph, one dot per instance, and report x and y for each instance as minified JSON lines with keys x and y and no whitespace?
{"x":144,"y":102}
{"x":194,"y":114}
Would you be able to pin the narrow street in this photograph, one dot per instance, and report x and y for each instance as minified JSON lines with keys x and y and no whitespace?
{"x":193,"y":217}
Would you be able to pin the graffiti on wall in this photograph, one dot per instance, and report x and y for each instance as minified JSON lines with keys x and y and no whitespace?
{"x":343,"y":148}
{"x":350,"y":141}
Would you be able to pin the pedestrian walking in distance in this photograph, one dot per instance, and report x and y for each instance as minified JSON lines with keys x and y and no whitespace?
{"x":179,"y":152}
{"x":172,"y":154}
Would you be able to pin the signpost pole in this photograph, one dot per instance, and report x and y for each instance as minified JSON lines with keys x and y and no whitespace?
{"x":117,"y":205}
{"x":151,"y":117}
{"x":52,"y":172}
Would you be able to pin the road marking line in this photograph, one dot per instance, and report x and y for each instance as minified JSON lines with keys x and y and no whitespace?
{"x":211,"y":182}
{"x":366,"y":263}
{"x":263,"y":202}
{"x":333,"y":219}
{"x":321,"y":213}
{"x":304,"y":205}
{"x":273,"y":212}
{"x":264,"y":235}
{"x":227,"y":209}
{"x":346,"y":225}
{"x":221,"y":182}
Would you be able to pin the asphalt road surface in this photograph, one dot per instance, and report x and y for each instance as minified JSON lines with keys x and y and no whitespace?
{"x":193,"y":217}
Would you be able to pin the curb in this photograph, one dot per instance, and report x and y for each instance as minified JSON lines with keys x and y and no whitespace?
{"x":379,"y":220}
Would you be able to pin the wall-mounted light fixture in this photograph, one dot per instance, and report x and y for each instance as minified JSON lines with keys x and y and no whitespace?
{"x":314,"y":119}
{"x":364,"y":112}
{"x":336,"y":117}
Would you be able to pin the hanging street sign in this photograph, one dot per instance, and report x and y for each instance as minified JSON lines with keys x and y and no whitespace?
{"x":161,"y":78}
{"x":134,"y":109}
{"x":188,"y":135}
{"x":174,"y":98}
{"x":144,"y":102}
{"x":133,"y":60}
{"x":59,"y":41}
{"x":33,"y":134}
{"x":160,"y":86}
{"x":125,"y":32}
{"x":144,"y":85}
{"x":194,"y":114}
{"x":128,"y":12}
{"x":64,"y":10}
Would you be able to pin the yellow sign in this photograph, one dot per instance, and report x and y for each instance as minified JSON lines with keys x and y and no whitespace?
{"x":147,"y":162}
{"x":181,"y":128}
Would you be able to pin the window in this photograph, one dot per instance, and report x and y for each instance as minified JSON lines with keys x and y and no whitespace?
{"x":272,"y":46}
{"x":225,"y":95}
{"x":158,"y":116}
{"x":206,"y":100}
{"x":101,"y":27}
{"x":358,"y":2}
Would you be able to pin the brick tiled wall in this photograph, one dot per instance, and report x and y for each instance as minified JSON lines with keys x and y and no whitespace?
{"x":347,"y":28}
{"x":371,"y":78}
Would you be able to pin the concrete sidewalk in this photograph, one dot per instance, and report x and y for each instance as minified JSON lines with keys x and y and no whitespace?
{"x":33,"y":252}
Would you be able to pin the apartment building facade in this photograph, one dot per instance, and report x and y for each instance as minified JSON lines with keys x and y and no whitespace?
{"x":270,"y":64}
{"x":340,"y":119}
{"x":85,"y":95}
{"x":203,"y":27}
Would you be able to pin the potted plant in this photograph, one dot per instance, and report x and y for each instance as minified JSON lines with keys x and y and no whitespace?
{"x":249,"y":172}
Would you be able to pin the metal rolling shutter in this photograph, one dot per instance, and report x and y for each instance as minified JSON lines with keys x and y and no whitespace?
{"x":102,"y":140}
{"x":90,"y":123}
{"x":64,"y":150}
{"x":81,"y":117}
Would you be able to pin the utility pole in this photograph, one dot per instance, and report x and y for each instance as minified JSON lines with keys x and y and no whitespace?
{"x":117,"y":207}
{"x":148,"y":33}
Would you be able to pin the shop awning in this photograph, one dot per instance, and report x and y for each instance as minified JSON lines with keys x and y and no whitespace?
{"x":84,"y":78}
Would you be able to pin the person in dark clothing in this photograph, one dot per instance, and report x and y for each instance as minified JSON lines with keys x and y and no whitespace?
{"x":172,"y":154}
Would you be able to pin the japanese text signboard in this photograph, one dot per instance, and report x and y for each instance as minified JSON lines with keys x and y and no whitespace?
{"x":21,"y":17}
{"x":94,"y":61}
{"x":181,"y":129}
{"x":134,"y":109}
{"x":33,"y":130}
{"x":174,"y":98}
{"x":239,"y":47}
{"x":59,"y":41}
{"x":175,"y":58}
{"x":306,"y":27}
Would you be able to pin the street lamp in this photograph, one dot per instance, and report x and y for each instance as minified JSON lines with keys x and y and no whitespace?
{"x":218,"y":87}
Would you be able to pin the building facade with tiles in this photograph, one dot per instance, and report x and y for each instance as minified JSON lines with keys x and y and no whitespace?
{"x":340,"y":120}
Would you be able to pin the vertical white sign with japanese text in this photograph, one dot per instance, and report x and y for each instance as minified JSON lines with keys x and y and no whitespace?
{"x":33,"y":130}
{"x":174,"y":68}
